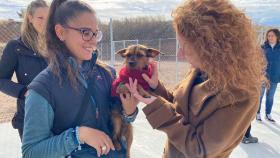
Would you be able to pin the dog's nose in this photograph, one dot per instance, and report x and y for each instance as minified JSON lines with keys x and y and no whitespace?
{"x":132,"y":64}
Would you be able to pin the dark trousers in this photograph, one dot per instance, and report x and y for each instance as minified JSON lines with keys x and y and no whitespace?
{"x":20,"y":132}
{"x":248,"y":132}
{"x":17,"y":123}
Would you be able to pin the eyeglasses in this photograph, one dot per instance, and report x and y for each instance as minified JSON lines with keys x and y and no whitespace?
{"x":87,"y":33}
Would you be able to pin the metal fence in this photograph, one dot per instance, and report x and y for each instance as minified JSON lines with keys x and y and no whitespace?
{"x":171,"y":67}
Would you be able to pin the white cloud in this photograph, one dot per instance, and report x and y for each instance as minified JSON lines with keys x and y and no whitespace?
{"x":261,"y":11}
{"x":264,"y":12}
{"x":122,"y":8}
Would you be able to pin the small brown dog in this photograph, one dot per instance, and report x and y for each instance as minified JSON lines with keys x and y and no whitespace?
{"x":136,"y":63}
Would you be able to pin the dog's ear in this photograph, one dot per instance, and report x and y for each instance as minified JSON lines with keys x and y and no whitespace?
{"x":122,"y":52}
{"x":152,"y":52}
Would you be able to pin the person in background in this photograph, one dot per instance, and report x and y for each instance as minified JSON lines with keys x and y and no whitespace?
{"x":26,"y":57}
{"x":271,"y":49}
{"x":248,"y":138}
{"x":209,"y":112}
{"x":69,"y":105}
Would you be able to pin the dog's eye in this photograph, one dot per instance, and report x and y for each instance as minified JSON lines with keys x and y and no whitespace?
{"x":139,"y":55}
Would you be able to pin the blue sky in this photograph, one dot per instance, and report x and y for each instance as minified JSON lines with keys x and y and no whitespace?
{"x":265,"y":12}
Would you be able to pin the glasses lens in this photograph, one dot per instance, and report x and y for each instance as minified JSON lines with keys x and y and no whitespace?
{"x":99,"y":36}
{"x":87,"y":34}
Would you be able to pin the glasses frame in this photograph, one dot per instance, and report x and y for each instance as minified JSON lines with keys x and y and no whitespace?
{"x":98,"y":34}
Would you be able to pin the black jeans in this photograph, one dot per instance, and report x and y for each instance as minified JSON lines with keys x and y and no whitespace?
{"x":20,"y":132}
{"x":248,"y":132}
{"x":17,"y":123}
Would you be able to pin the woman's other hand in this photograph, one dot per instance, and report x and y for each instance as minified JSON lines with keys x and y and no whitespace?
{"x":129,"y":103}
{"x":97,"y":139}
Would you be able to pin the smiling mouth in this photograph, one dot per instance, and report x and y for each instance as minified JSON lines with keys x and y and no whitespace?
{"x":89,"y":49}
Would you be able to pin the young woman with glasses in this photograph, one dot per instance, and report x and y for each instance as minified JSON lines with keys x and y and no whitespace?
{"x":68,"y":109}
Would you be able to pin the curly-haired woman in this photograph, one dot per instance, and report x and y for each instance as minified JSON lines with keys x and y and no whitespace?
{"x":210,"y":110}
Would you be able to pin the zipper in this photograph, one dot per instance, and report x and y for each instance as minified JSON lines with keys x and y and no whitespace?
{"x":97,"y":113}
{"x":92,"y":99}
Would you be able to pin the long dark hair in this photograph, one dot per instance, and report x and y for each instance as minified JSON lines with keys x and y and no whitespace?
{"x":61,"y":12}
{"x":276,"y":32}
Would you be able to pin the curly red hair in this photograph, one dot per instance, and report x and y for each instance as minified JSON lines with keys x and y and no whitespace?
{"x":225,"y":41}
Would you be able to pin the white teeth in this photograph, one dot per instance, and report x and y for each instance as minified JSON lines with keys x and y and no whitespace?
{"x":89,"y":49}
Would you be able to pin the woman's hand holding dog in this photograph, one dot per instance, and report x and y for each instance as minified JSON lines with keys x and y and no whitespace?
{"x":97,"y":139}
{"x":129,"y":103}
{"x":132,"y":86}
{"x":153,"y":81}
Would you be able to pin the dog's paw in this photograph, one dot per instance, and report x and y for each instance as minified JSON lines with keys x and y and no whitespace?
{"x":117,"y":145}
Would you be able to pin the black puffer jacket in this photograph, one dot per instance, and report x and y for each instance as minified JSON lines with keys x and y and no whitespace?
{"x":27,"y":64}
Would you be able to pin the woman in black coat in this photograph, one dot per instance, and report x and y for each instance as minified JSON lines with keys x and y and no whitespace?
{"x":24,"y":56}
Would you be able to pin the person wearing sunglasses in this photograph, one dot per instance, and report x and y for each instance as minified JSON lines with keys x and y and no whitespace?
{"x":68,"y":108}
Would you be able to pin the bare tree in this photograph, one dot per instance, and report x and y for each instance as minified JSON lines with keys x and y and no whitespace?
{"x":21,"y":13}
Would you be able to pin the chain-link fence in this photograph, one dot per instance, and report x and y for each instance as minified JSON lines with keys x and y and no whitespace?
{"x":171,"y":65}
{"x":120,"y":33}
{"x":9,"y":29}
{"x":151,"y":32}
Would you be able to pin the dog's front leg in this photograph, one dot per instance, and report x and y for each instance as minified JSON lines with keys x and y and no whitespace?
{"x":117,"y":124}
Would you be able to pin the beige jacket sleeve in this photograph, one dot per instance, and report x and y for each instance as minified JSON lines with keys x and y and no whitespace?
{"x":163,"y":92}
{"x":222,"y":130}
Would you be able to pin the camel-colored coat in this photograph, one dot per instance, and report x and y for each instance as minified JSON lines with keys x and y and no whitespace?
{"x":196,"y":123}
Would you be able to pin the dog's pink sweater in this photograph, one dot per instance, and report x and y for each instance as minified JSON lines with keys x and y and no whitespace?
{"x":124,"y":75}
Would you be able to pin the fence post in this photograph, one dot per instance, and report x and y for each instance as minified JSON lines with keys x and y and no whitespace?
{"x":262,"y":36}
{"x":177,"y":69}
{"x":112,"y":62}
{"x":159,"y":48}
{"x":101,"y":50}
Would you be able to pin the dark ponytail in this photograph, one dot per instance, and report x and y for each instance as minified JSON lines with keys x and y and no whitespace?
{"x":61,"y":12}
{"x":53,"y":43}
